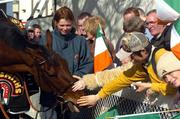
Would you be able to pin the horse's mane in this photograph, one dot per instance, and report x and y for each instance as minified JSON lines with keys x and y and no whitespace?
{"x":12,"y":36}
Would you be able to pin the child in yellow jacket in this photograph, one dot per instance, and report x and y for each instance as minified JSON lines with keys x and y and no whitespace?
{"x":99,"y":79}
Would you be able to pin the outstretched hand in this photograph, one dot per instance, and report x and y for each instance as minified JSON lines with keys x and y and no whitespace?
{"x":90,"y":100}
{"x":79,"y":85}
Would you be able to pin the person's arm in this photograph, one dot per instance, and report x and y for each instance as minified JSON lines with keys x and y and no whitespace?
{"x":85,"y":63}
{"x":159,"y":87}
{"x":163,"y":88}
{"x":125,"y":79}
{"x":134,"y":74}
{"x":99,"y":79}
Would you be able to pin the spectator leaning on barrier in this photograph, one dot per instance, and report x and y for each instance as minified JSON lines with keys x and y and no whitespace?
{"x":133,"y":24}
{"x":93,"y":81}
{"x":168,"y":68}
{"x":143,"y":54}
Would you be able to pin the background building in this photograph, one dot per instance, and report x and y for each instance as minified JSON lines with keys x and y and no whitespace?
{"x":6,"y":6}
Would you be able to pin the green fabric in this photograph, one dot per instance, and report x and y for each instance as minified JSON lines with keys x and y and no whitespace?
{"x":99,"y":32}
{"x":174,"y":4}
{"x":148,"y":116}
{"x":112,"y":112}
{"x":177,"y":26}
{"x":177,"y":116}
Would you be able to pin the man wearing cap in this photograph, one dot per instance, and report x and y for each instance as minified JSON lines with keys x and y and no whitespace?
{"x":142,"y":53}
{"x":99,"y":79}
{"x":30,"y":33}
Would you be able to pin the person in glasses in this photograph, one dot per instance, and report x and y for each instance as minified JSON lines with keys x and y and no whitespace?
{"x":159,"y":30}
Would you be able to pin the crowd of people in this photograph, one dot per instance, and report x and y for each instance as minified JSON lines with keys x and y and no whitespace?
{"x":33,"y":33}
{"x":142,"y":56}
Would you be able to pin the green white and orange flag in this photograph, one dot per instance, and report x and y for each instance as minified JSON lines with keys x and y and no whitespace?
{"x":102,"y":57}
{"x":175,"y":38}
{"x":168,"y":10}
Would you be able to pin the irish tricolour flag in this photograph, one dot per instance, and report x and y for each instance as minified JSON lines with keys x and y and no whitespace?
{"x":168,"y":10}
{"x":175,"y":38}
{"x":102,"y":57}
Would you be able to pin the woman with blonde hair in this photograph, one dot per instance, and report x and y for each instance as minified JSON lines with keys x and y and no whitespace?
{"x":91,"y":26}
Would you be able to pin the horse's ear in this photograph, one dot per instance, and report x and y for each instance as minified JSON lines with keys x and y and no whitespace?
{"x":48,"y":40}
{"x":3,"y":16}
{"x":11,"y":20}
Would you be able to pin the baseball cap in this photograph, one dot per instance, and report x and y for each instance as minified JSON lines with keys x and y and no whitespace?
{"x":30,"y":28}
{"x":135,"y":41}
{"x":167,"y":63}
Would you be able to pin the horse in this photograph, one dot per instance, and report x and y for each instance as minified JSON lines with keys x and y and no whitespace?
{"x":50,"y":70}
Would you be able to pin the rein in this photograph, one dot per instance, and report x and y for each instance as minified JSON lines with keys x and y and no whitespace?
{"x":4,"y":112}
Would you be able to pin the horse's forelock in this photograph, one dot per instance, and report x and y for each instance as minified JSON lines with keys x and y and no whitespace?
{"x":12,"y":36}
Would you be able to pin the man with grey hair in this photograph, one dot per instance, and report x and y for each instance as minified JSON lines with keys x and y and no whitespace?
{"x":159,"y":31}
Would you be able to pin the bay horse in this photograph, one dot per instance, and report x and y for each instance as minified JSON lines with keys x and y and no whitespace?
{"x":50,"y":71}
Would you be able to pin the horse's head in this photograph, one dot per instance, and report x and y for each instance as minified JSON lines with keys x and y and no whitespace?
{"x":65,"y":79}
{"x":52,"y":73}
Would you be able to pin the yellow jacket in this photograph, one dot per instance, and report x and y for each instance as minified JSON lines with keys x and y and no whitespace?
{"x":138,"y":72}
